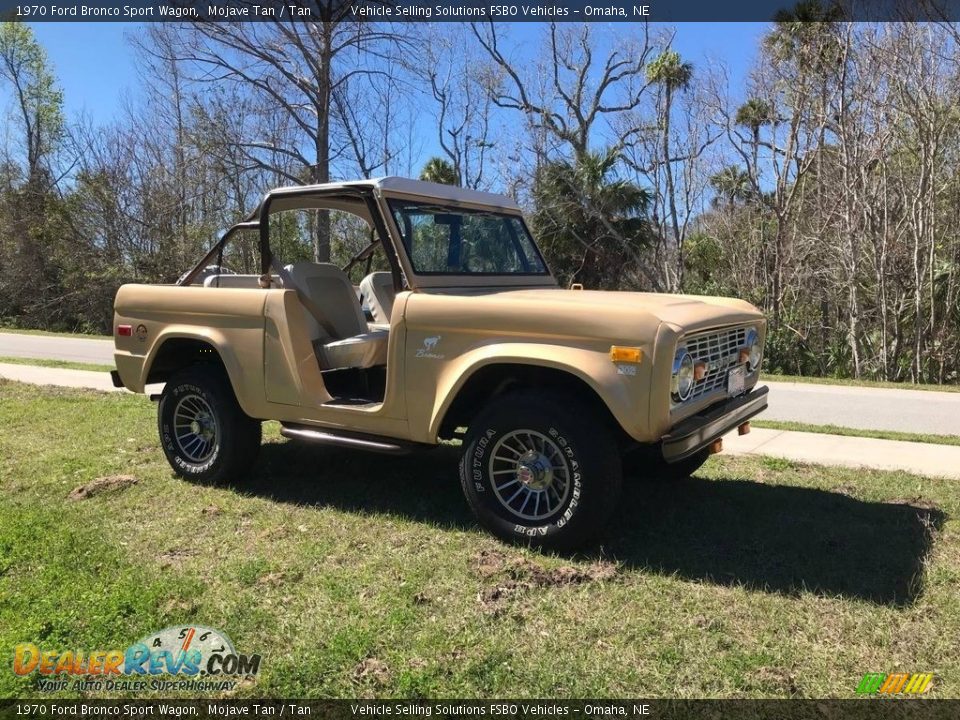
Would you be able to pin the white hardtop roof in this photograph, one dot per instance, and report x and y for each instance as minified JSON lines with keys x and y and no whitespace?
{"x":420,"y":188}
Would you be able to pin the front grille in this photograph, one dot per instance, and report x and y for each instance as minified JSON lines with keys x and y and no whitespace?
{"x":720,"y":351}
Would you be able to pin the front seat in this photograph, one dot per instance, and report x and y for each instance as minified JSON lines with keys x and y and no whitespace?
{"x":340,"y":334}
{"x":377,"y":289}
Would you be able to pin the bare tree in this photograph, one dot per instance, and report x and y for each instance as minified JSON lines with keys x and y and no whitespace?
{"x":296,"y":69}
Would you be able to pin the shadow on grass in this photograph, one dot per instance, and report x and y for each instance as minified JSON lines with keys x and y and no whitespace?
{"x":729,"y":532}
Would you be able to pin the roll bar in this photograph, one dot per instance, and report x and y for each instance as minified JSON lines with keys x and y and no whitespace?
{"x":260,"y":220}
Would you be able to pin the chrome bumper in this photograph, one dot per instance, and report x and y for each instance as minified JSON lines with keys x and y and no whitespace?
{"x":698,"y":431}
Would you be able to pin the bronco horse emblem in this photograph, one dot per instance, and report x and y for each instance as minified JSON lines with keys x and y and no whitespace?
{"x":428,"y":345}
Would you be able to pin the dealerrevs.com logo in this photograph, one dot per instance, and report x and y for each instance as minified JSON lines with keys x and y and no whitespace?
{"x":192,"y":658}
{"x":895,"y":683}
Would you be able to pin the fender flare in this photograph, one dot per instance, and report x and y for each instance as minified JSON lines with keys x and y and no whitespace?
{"x":211,"y":337}
{"x":459,"y":372}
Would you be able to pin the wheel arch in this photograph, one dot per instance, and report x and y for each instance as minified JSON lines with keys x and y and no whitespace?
{"x":499,"y":376}
{"x":175,"y":350}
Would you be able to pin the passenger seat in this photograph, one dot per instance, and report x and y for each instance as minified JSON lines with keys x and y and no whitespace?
{"x":378,"y":291}
{"x":339,"y":330}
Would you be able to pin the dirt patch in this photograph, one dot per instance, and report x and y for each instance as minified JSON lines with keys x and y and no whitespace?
{"x":175,"y":556}
{"x":519,"y":574}
{"x":372,"y":670}
{"x":916,"y":502}
{"x":211,"y":511}
{"x":278,"y":578}
{"x":179,"y":608}
{"x":110,"y":483}
{"x":774,"y":679}
{"x":488,"y":563}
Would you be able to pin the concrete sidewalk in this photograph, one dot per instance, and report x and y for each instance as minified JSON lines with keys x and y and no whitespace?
{"x":920,"y":458}
{"x":58,"y":376}
{"x":62,"y":377}
{"x":855,"y":452}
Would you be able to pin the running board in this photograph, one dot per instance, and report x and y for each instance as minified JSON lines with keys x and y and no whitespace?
{"x":325,"y":437}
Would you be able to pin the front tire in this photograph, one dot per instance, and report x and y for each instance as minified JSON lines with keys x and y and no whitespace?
{"x":540,"y":470}
{"x":204,"y":434}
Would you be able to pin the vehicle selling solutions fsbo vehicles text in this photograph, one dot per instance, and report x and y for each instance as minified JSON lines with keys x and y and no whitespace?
{"x":428,"y":12}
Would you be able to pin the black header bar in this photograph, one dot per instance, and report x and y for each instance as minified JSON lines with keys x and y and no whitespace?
{"x":864,"y":709}
{"x":470,"y":10}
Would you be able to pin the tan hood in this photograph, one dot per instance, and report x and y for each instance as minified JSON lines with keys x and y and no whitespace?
{"x":596,"y":313}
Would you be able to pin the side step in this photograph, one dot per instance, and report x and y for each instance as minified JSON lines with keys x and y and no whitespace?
{"x":356,"y":442}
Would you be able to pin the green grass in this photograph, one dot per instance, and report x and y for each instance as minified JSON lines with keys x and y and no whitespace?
{"x":30,"y":331}
{"x":857,"y":432}
{"x":364,"y":575}
{"x":63,"y":364}
{"x":772,"y":377}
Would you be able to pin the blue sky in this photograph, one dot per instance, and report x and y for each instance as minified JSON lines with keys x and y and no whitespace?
{"x":95,"y":61}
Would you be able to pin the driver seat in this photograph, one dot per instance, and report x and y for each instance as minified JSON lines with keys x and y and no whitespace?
{"x":341,"y":337}
{"x":378,"y":291}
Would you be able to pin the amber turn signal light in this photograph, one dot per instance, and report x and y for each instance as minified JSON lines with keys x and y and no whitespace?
{"x":744,"y":429}
{"x":619,"y":353}
{"x":716,"y":446}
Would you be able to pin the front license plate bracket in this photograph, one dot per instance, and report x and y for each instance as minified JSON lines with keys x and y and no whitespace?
{"x":736,"y":381}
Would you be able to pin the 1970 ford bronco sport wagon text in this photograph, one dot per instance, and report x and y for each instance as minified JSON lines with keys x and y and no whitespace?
{"x":466,"y":336}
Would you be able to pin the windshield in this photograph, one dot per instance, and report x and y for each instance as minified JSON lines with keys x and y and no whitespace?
{"x":453,"y":241}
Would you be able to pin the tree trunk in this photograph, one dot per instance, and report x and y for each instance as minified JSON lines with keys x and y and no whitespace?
{"x":321,"y":170}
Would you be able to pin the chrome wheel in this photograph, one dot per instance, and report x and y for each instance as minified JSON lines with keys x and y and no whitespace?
{"x":529,"y":474}
{"x":195,"y":428}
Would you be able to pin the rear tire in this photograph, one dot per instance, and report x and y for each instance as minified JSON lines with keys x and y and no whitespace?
{"x":203,"y":432}
{"x":539,"y":470}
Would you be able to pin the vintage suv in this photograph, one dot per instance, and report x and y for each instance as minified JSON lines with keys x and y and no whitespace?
{"x":552,"y":391}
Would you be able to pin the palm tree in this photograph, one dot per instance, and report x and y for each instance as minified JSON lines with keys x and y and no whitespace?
{"x":801,"y":34}
{"x":672,"y":73}
{"x":731,"y":184}
{"x":753,"y":115}
{"x":592,"y":225}
{"x":441,"y":171}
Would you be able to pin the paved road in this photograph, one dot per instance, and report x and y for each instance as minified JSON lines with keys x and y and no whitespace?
{"x":918,"y":411}
{"x":56,"y":348}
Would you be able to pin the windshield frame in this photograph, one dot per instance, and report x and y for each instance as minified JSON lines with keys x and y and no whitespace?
{"x":435,"y":277}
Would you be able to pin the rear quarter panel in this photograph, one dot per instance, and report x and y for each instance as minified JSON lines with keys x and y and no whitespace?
{"x":231,"y":320}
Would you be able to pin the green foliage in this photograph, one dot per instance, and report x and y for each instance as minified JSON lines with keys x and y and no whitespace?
{"x":24,"y":65}
{"x":441,"y":171}
{"x":669,"y":70}
{"x":732,"y":185}
{"x":591,"y":225}
{"x":703,"y":258}
{"x":754,"y":114}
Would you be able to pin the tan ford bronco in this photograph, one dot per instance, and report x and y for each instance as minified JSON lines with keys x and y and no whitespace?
{"x":467,"y":336}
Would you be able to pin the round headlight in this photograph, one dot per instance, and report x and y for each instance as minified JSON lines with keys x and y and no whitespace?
{"x":754,"y":349}
{"x":683,"y":378}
